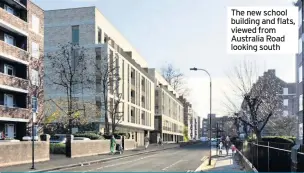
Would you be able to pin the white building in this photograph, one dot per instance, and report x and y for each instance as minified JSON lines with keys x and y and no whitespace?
{"x":91,"y":30}
{"x":169,"y":111}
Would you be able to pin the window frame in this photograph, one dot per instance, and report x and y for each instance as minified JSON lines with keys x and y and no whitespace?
{"x":35,"y":23}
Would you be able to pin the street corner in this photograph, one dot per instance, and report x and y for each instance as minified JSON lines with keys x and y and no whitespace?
{"x":205,"y":164}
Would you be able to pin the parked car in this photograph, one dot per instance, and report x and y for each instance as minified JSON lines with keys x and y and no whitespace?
{"x":29,"y":138}
{"x":213,"y":142}
{"x":81,"y":138}
{"x":58,"y":138}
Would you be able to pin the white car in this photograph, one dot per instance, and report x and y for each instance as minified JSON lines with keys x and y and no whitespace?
{"x":214,"y":142}
{"x":29,"y":138}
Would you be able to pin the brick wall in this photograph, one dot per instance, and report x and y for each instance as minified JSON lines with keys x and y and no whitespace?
{"x":13,"y":153}
{"x":95,"y":147}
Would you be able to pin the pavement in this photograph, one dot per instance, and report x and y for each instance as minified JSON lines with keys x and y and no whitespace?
{"x":62,"y":161}
{"x":221,"y":163}
{"x":185,"y":159}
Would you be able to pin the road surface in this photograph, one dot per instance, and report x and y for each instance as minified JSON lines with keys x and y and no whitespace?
{"x":185,"y":159}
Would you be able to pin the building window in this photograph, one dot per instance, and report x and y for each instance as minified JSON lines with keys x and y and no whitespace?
{"x":8,"y":100}
{"x":9,"y":9}
{"x":285,"y":91}
{"x":35,"y":77}
{"x":9,"y":70}
{"x":35,"y":24}
{"x":301,"y":102}
{"x":300,"y":74}
{"x":35,"y":50}
{"x":75,"y":34}
{"x":300,"y":45}
{"x":285,"y":102}
{"x":10,"y":130}
{"x":99,"y":35}
{"x":300,"y":17}
{"x":9,"y":39}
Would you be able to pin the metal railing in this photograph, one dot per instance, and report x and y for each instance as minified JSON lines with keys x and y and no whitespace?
{"x":270,"y":156}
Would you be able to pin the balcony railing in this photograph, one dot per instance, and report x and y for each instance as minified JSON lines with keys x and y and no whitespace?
{"x":14,"y":21}
{"x":10,"y":51}
{"x":14,"y":81}
{"x":14,"y":112}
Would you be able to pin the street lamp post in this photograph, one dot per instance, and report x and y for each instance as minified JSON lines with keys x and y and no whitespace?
{"x":196,"y":69}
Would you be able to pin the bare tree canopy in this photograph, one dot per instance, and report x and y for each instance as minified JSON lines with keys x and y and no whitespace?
{"x":176,"y":79}
{"x":67,"y":71}
{"x":260,"y":97}
{"x":108,"y":88}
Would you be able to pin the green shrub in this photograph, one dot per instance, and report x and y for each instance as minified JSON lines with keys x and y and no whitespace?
{"x":279,"y":139}
{"x":57,"y":148}
{"x":8,"y":138}
{"x":92,"y":136}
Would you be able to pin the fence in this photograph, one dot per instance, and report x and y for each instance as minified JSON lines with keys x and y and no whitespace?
{"x":270,"y":157}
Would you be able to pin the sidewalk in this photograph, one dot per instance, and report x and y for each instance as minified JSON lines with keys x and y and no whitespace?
{"x":60,"y":160}
{"x":224,"y":163}
{"x":220,"y":163}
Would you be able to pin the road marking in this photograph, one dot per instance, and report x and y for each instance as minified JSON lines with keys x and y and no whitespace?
{"x":172,"y":165}
{"x":117,"y":164}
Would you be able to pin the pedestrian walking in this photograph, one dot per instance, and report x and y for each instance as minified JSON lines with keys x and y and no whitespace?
{"x":146,"y":142}
{"x":160,"y":142}
{"x":113,"y":145}
{"x":233,"y":148}
{"x":221,"y":148}
{"x":227,"y":144}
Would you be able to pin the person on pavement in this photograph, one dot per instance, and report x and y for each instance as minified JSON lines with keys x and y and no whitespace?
{"x":113,"y":145}
{"x":146,"y":142}
{"x":227,"y":145}
{"x":221,"y":148}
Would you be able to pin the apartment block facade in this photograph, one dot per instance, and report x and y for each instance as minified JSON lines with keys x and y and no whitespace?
{"x":91,"y":30}
{"x":194,"y":127}
{"x":21,"y":50}
{"x":288,"y":99}
{"x":188,"y":117}
{"x":169,"y":115}
{"x":299,"y":73}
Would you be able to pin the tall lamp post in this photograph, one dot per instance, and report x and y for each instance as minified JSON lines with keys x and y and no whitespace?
{"x":198,"y":69}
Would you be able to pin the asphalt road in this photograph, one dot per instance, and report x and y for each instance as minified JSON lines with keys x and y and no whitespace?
{"x":185,"y":159}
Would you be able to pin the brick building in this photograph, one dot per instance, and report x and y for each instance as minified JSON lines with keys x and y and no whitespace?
{"x":21,"y":47}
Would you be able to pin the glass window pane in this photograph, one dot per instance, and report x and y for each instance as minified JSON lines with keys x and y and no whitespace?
{"x":300,"y":73}
{"x":35,"y":23}
{"x":301,"y":102}
{"x":300,"y":45}
{"x":75,"y":34}
{"x":300,"y":17}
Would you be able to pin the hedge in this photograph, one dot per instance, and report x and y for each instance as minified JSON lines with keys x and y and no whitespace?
{"x":277,"y":139}
{"x":90,"y":135}
{"x":57,"y":148}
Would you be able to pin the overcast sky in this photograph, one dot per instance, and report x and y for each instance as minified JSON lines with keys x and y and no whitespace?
{"x":186,"y":33}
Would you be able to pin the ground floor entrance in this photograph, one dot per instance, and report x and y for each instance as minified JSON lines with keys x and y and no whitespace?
{"x":167,"y":138}
{"x":132,"y":133}
{"x":12,"y":130}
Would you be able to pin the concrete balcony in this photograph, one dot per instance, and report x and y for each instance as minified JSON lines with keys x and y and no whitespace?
{"x":13,"y":23}
{"x":8,"y":112}
{"x":15,"y":83}
{"x":13,"y":53}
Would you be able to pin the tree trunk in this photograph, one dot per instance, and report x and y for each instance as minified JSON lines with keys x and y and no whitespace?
{"x":258,"y":135}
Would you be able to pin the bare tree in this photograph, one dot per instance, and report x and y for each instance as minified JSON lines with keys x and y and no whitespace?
{"x":108,"y":83}
{"x":35,"y":87}
{"x":284,"y":126}
{"x":176,"y":79}
{"x":260,"y":98}
{"x":67,"y":71}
